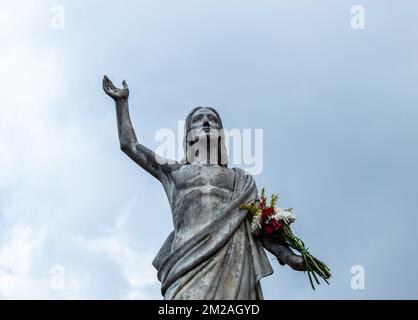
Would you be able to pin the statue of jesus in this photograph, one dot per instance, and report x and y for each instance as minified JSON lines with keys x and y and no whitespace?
{"x":211,"y":253}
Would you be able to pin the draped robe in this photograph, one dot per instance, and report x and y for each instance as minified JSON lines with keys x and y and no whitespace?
{"x":223,"y":260}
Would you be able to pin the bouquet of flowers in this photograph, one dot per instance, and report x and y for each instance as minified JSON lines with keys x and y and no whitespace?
{"x":275,"y":222}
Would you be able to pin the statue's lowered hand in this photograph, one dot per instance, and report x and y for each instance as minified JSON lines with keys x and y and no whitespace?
{"x":114,"y":92}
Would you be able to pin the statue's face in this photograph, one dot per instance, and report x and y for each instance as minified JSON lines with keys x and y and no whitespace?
{"x":204,"y":120}
{"x":204,"y":139}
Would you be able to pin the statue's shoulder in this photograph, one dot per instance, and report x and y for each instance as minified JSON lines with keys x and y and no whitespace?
{"x":242,"y":173}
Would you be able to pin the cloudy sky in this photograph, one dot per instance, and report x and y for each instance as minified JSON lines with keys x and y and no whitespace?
{"x":338,"y":109}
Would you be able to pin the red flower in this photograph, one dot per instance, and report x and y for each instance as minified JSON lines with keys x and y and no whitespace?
{"x":267,"y":229}
{"x":273,"y":226}
{"x":265,"y":213}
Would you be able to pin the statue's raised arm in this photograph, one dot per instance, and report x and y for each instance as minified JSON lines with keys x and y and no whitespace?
{"x":143,"y":156}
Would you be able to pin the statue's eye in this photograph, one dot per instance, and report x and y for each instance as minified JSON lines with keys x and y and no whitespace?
{"x":213,"y":119}
{"x":197,"y":118}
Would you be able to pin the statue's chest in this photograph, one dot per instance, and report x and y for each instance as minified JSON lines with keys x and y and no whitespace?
{"x":198,"y":194}
{"x":201,"y":176}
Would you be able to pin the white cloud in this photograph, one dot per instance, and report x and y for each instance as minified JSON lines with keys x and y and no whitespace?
{"x":17,"y":256}
{"x":50,"y":191}
{"x":28,"y":162}
{"x":134,"y":265}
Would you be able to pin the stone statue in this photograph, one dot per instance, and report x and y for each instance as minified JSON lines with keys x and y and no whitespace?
{"x":211,"y":254}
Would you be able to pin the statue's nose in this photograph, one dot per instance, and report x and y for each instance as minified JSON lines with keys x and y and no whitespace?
{"x":206,"y":124}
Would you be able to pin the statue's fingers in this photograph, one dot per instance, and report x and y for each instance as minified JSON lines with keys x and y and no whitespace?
{"x":104,"y":84}
{"x":107,"y":85}
{"x":105,"y":81}
{"x":125,"y":85}
{"x":109,"y":90}
{"x":111,"y":85}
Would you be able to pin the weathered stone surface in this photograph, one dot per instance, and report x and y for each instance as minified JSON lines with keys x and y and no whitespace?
{"x":211,"y":254}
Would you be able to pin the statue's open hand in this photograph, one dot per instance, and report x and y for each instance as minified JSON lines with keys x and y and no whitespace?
{"x":113,"y":92}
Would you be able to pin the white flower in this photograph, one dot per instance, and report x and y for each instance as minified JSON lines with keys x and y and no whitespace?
{"x":283,"y":214}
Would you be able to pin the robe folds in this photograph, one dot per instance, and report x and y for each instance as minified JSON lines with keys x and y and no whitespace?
{"x":221,"y":261}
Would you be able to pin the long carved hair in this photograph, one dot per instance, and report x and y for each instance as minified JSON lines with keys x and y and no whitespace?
{"x":222,"y":152}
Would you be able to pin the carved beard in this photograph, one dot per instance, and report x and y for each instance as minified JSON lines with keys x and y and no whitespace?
{"x":206,"y":147}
